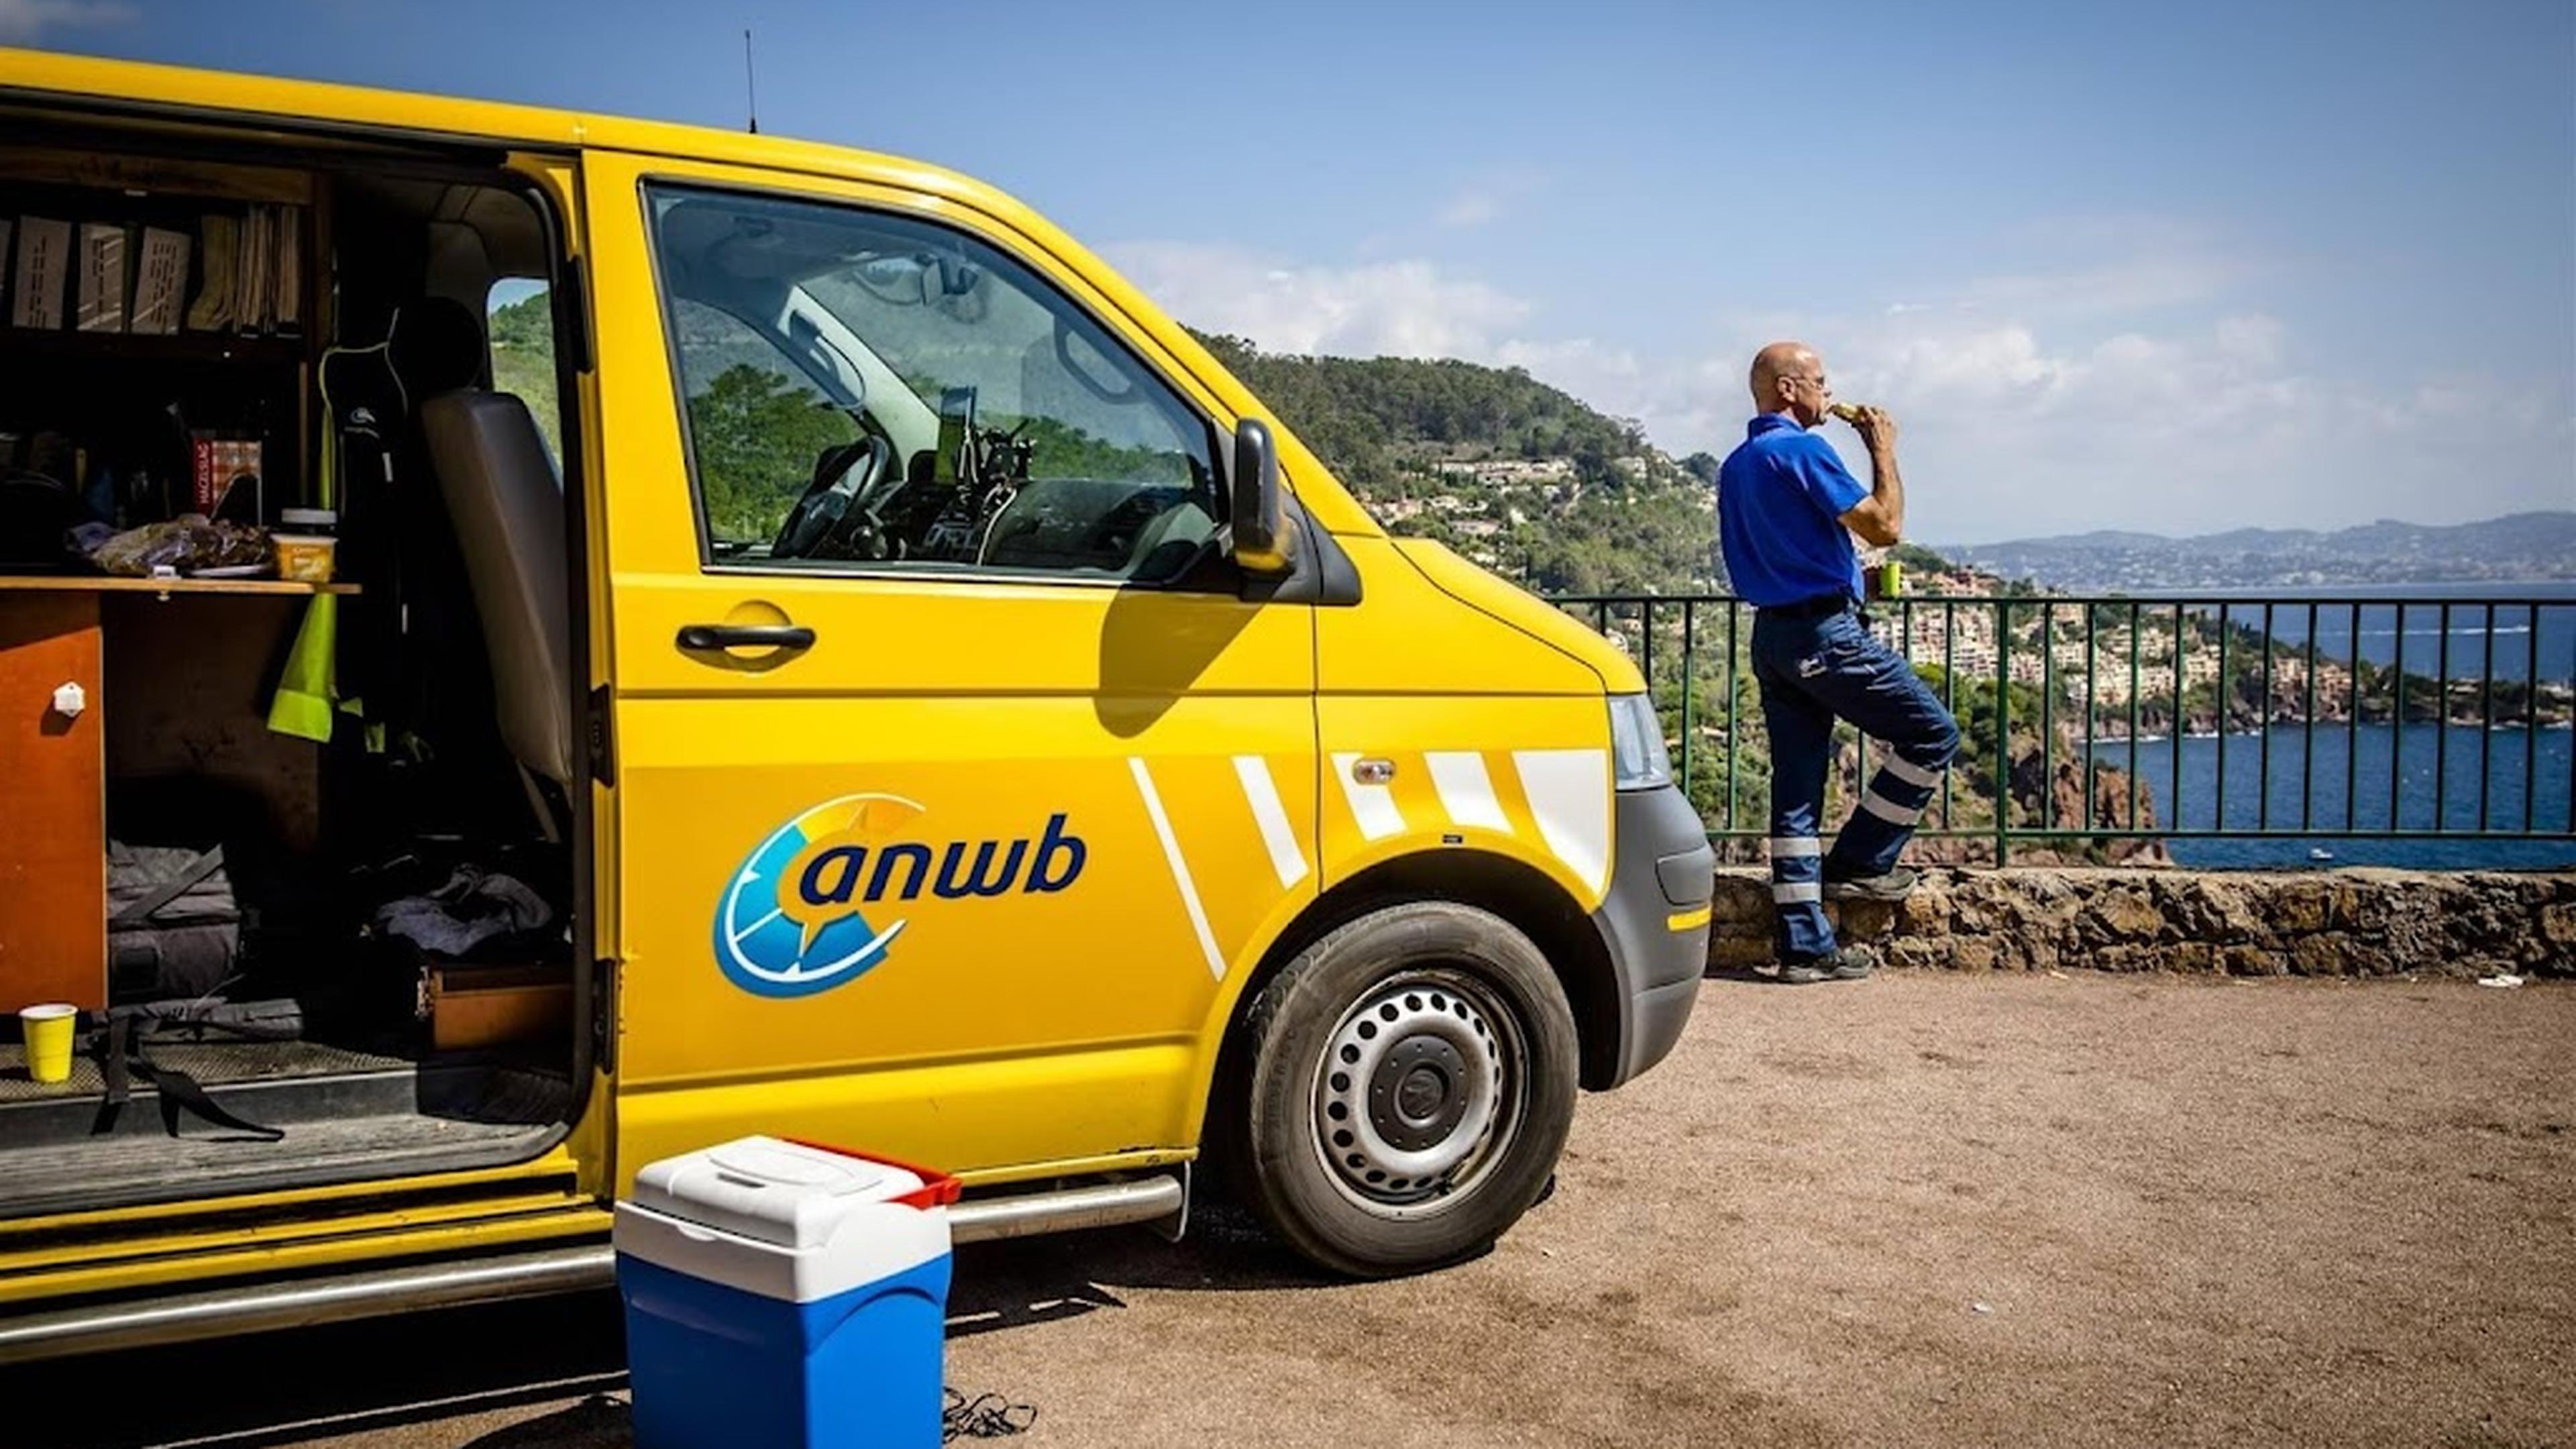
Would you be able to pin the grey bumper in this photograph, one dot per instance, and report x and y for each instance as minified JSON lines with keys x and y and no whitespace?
{"x":1664,"y":878}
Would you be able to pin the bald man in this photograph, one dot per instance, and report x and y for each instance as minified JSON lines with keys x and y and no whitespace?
{"x":1787,"y":509}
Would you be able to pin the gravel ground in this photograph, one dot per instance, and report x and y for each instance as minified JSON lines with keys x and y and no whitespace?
{"x":1926,"y":1209}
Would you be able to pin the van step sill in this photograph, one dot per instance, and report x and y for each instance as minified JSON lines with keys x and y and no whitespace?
{"x":130,"y":1169}
{"x":101,"y":1327}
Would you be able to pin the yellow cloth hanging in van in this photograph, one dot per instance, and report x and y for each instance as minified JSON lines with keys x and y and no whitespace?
{"x":309,"y":691}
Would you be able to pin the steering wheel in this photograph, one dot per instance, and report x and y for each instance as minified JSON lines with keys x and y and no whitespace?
{"x":830,"y":512}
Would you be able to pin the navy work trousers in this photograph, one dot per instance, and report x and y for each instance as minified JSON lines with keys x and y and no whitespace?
{"x":1813,"y":670}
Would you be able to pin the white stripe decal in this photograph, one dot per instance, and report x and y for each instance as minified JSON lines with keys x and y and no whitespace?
{"x":1569,"y":792}
{"x":1790,"y":892}
{"x":1263,"y":794}
{"x":1372,"y":805}
{"x":1180,"y":867}
{"x":1910,"y":772}
{"x":1466,"y":791}
{"x":1793,"y":847}
{"x":1888,"y":810}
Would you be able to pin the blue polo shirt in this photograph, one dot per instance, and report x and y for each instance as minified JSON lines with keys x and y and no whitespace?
{"x":1781,"y":496}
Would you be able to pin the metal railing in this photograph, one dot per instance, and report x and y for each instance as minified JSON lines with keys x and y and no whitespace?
{"x":2091,"y":720}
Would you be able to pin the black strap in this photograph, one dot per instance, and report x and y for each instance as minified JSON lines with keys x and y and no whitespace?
{"x":180,"y":1091}
{"x":170,"y":890}
{"x":122,"y":1058}
{"x":1810,"y":608}
{"x":111,"y":1068}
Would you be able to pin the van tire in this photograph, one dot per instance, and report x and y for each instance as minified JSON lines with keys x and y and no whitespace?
{"x":1428,"y":1037}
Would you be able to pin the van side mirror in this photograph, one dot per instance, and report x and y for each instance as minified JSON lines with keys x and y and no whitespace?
{"x":1263,"y":543}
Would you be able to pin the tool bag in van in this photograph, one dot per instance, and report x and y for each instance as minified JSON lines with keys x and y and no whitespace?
{"x":173,"y":927}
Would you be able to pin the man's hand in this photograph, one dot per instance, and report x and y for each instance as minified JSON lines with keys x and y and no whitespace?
{"x":1876,"y":426}
{"x":1880,"y":518}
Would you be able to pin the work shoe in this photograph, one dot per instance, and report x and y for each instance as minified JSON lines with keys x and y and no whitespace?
{"x":1889,"y":887}
{"x":1849,"y":963}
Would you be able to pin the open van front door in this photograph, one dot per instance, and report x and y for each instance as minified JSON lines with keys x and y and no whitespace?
{"x":957,"y":781}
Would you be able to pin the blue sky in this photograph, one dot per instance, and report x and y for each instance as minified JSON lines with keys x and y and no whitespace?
{"x":2179,"y":266}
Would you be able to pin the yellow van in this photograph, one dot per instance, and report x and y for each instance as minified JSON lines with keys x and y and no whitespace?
{"x":805,"y":649}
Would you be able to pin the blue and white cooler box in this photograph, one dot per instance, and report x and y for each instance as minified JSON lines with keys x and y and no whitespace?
{"x":785,"y":1296}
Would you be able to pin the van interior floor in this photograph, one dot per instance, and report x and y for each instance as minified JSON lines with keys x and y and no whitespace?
{"x":341,"y":1114}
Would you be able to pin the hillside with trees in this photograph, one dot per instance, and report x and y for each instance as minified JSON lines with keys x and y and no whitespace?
{"x":523,"y":362}
{"x":1513,"y":473}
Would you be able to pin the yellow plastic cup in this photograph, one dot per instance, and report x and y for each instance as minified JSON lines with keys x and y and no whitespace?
{"x":48,"y":1030}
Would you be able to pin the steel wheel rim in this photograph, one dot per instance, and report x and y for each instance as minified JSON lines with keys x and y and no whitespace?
{"x":1419,"y":1093}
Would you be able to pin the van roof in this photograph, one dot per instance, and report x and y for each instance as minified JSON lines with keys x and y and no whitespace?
{"x":186,"y":89}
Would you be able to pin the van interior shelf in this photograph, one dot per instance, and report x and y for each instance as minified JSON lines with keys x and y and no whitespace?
{"x":117,"y":584}
{"x":132,"y":347}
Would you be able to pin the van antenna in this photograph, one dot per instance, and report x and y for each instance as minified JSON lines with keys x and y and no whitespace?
{"x":750,"y":89}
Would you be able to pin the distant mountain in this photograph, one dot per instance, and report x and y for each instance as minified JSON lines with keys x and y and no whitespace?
{"x":2520,"y":546}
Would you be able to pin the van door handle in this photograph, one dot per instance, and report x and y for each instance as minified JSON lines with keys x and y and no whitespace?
{"x":702,"y":637}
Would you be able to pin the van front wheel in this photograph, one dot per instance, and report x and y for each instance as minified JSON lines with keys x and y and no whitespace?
{"x":1412,"y":1077}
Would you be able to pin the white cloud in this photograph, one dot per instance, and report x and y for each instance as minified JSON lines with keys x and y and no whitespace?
{"x":1397,"y":308}
{"x":2255,"y":338}
{"x":1471,"y":208}
{"x":24,"y":20}
{"x":2120,"y":288}
{"x":1586,"y":367}
{"x":1485,"y":198}
{"x":2030,"y":404}
{"x":2016,"y":430}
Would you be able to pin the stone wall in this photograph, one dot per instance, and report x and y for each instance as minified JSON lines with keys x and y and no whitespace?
{"x":2312,"y":923}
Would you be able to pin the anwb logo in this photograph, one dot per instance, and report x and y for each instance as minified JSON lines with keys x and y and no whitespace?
{"x":796,"y":917}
